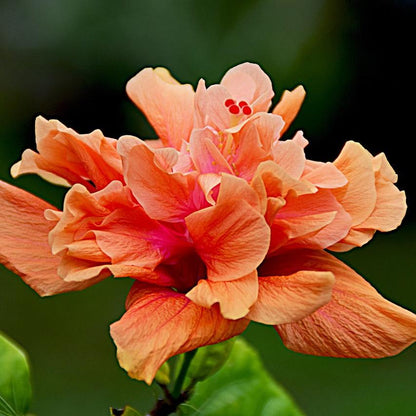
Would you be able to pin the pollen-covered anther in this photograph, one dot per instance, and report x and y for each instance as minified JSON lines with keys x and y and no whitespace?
{"x":234,"y":109}
{"x":245,"y":108}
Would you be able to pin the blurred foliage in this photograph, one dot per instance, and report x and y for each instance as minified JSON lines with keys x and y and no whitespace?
{"x":15,"y":387}
{"x":241,"y":387}
{"x":70,"y":60}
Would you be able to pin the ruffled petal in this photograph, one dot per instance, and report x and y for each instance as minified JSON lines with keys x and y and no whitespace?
{"x":236,"y":188}
{"x":24,"y":247}
{"x":234,"y":297}
{"x":254,"y":143}
{"x":97,"y":232}
{"x":232,"y":238}
{"x":358,"y":322}
{"x":250,"y":83}
{"x":147,"y":334}
{"x":278,"y":182}
{"x":206,"y":156}
{"x":289,"y":156}
{"x":358,"y":196}
{"x":210,"y":109}
{"x":289,"y":105}
{"x":66,"y":157}
{"x":389,"y":207}
{"x":164,"y":195}
{"x":311,"y":221}
{"x":284,"y":299}
{"x":167,"y":104}
{"x":326,"y":175}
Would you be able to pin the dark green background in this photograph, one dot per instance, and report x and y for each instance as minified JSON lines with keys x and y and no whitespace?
{"x":70,"y":60}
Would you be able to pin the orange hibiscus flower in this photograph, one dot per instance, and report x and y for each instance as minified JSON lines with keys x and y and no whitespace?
{"x":219,"y":222}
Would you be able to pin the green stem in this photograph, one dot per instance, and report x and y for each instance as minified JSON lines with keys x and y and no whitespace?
{"x":177,"y":390}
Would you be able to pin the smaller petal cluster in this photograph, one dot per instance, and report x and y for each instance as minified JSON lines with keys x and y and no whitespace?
{"x":220,"y":221}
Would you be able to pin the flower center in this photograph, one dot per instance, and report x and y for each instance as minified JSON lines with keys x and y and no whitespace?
{"x":241,"y":108}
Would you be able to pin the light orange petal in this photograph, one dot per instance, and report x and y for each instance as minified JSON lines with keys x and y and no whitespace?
{"x":147,"y":334}
{"x":383,"y":168}
{"x":326,"y":176}
{"x":314,"y":221}
{"x":206,"y":156}
{"x":249,"y":82}
{"x":232,"y":238}
{"x":284,"y":299}
{"x":164,"y":196}
{"x":358,"y":196}
{"x":355,"y":238}
{"x":358,"y":322}
{"x":254,"y":143}
{"x":289,"y":156}
{"x":289,"y":105}
{"x":24,"y":246}
{"x":210,"y":109}
{"x":66,"y":157}
{"x":208,"y":183}
{"x":391,"y":202}
{"x":234,"y":297}
{"x":278,"y":182}
{"x":389,"y":210}
{"x":108,"y":228}
{"x":232,"y":187}
{"x":167,"y":104}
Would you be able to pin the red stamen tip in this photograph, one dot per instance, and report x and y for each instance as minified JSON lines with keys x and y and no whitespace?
{"x":242,"y":104}
{"x":233,"y":109}
{"x":247,"y":110}
{"x":229,"y":102}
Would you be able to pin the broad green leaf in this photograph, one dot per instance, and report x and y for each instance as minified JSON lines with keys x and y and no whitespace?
{"x":208,"y":360}
{"x":15,"y":387}
{"x":127,"y":411}
{"x":163,"y":374}
{"x":241,"y":387}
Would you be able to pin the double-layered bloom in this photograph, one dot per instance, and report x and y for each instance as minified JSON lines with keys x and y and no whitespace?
{"x":219,"y":222}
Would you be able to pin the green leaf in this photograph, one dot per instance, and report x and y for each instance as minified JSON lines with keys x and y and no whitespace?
{"x":241,"y":387}
{"x":208,"y":360}
{"x":15,"y":387}
{"x":163,"y":374}
{"x":127,"y":411}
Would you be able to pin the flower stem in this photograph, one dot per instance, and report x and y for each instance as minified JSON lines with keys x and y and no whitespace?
{"x":182,"y":374}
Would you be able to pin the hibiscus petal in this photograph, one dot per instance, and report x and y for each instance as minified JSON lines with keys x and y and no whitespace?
{"x":358,"y":196}
{"x":167,"y":104}
{"x":358,"y":322}
{"x":279,"y":183}
{"x":289,"y":105}
{"x":233,"y":187}
{"x":390,"y":208}
{"x":164,"y":196}
{"x":390,"y":203}
{"x":290,"y":156}
{"x":254,"y":142}
{"x":303,"y":219}
{"x":210,"y":109}
{"x":66,"y":157}
{"x":249,"y":82}
{"x":326,"y":176}
{"x":24,"y":247}
{"x":234,"y":297}
{"x":284,"y":299}
{"x":232,"y":238}
{"x":206,"y":156}
{"x":147,"y":334}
